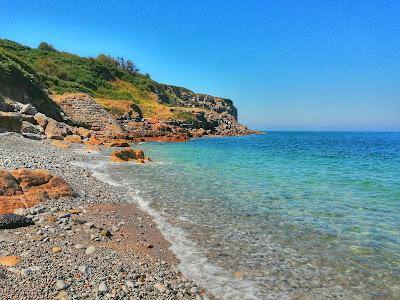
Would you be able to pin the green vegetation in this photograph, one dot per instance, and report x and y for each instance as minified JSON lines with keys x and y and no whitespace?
{"x":33,"y":71}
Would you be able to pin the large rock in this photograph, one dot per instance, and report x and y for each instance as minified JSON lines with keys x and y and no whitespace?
{"x":10,"y":221}
{"x":28,"y":109}
{"x":129,"y":154}
{"x":56,"y":130}
{"x":83,"y":132}
{"x":74,"y":138}
{"x":10,"y":122}
{"x":31,"y":129}
{"x":41,"y":119}
{"x":9,"y":186}
{"x":22,"y":188}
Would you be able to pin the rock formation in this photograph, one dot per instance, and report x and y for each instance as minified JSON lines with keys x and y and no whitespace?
{"x":22,"y":188}
{"x":129,"y":154}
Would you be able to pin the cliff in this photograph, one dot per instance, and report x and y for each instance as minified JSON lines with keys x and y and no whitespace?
{"x":133,"y":101}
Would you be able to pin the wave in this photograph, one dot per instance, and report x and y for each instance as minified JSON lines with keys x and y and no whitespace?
{"x":193,"y":262}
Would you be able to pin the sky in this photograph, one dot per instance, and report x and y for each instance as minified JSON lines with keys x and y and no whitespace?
{"x":287,"y":65}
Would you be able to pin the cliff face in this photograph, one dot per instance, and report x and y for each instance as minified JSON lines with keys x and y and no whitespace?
{"x":186,"y":98}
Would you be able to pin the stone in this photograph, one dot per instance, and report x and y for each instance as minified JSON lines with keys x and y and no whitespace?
{"x":83,"y":269}
{"x":160,"y":287}
{"x":41,"y":119}
{"x":29,"y":128}
{"x":61,"y":285}
{"x":103,"y":287}
{"x":57,"y":131}
{"x":22,"y":188}
{"x":93,"y":141}
{"x":10,"y":121}
{"x":90,"y":250}
{"x":105,"y":233}
{"x":73,"y":138}
{"x":83,"y":132}
{"x":28,"y":109}
{"x":61,"y":144}
{"x":11,"y":221}
{"x":119,"y":144}
{"x":56,"y":250}
{"x":63,"y":295}
{"x":10,"y":261}
{"x":126,"y":155}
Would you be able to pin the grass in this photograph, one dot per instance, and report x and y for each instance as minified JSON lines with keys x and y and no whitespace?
{"x":34,"y":70}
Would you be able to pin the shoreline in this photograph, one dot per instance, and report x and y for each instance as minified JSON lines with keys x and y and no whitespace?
{"x":135,"y":261}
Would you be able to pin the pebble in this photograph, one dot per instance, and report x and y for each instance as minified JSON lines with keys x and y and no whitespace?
{"x":61,"y":285}
{"x":90,"y":250}
{"x":103,"y":287}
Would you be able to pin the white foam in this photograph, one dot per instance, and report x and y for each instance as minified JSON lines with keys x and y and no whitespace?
{"x":193,"y":261}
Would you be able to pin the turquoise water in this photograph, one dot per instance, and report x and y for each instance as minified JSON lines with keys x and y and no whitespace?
{"x":297,"y":214}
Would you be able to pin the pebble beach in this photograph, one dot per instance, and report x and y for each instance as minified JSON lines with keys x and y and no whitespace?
{"x":92,"y":246}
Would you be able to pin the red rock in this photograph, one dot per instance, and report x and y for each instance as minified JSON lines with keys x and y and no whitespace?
{"x":23,"y":188}
{"x":73,"y":138}
{"x":128,"y":155}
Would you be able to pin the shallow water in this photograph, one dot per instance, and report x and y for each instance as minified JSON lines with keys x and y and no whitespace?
{"x":280,"y":215}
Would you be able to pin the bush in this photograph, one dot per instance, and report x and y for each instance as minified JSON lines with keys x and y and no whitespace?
{"x":47,"y":47}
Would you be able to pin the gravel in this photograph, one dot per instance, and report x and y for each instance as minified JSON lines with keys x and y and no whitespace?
{"x":60,"y":260}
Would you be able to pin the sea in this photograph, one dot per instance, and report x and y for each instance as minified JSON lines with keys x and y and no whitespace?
{"x":279,"y":215}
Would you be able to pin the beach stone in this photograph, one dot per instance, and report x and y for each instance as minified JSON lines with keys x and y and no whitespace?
{"x":90,"y":250}
{"x":61,"y":144}
{"x":83,"y":269}
{"x":61,"y":285}
{"x":103,"y":287}
{"x":41,"y":119}
{"x":160,"y":287}
{"x":56,"y":250}
{"x":28,"y":109}
{"x":10,"y":261}
{"x":83,"y":132}
{"x":11,"y":221}
{"x":63,"y":295}
{"x":55,"y":130}
{"x":73,"y":138}
{"x":105,"y":233}
{"x":126,"y":155}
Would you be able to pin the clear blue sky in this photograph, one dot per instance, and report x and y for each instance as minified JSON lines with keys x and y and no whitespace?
{"x":303,"y":65}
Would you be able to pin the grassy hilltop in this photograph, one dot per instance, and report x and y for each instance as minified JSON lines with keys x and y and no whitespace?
{"x":35,"y":73}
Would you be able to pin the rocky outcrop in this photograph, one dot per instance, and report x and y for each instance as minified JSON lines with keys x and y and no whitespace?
{"x":22,"y":188}
{"x":129,"y":154}
{"x":83,"y":111}
{"x":57,"y":130}
{"x":187,"y":98}
{"x":10,"y":122}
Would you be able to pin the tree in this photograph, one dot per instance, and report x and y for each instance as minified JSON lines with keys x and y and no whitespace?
{"x":47,"y":47}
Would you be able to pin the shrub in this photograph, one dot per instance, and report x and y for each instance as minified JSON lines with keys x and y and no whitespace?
{"x":47,"y":47}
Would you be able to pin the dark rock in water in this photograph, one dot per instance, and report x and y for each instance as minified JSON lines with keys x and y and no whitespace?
{"x":10,"y":221}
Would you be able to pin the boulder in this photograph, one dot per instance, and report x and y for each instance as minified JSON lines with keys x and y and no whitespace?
{"x":73,"y":138}
{"x":30,"y":128}
{"x":28,"y":109}
{"x":129,"y":155}
{"x":93,"y":141}
{"x":8,"y":184}
{"x":56,"y":130}
{"x":117,"y":143}
{"x":10,"y":121}
{"x":11,"y":221}
{"x":41,"y":119}
{"x":83,"y":132}
{"x":61,"y":144}
{"x":22,"y":188}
